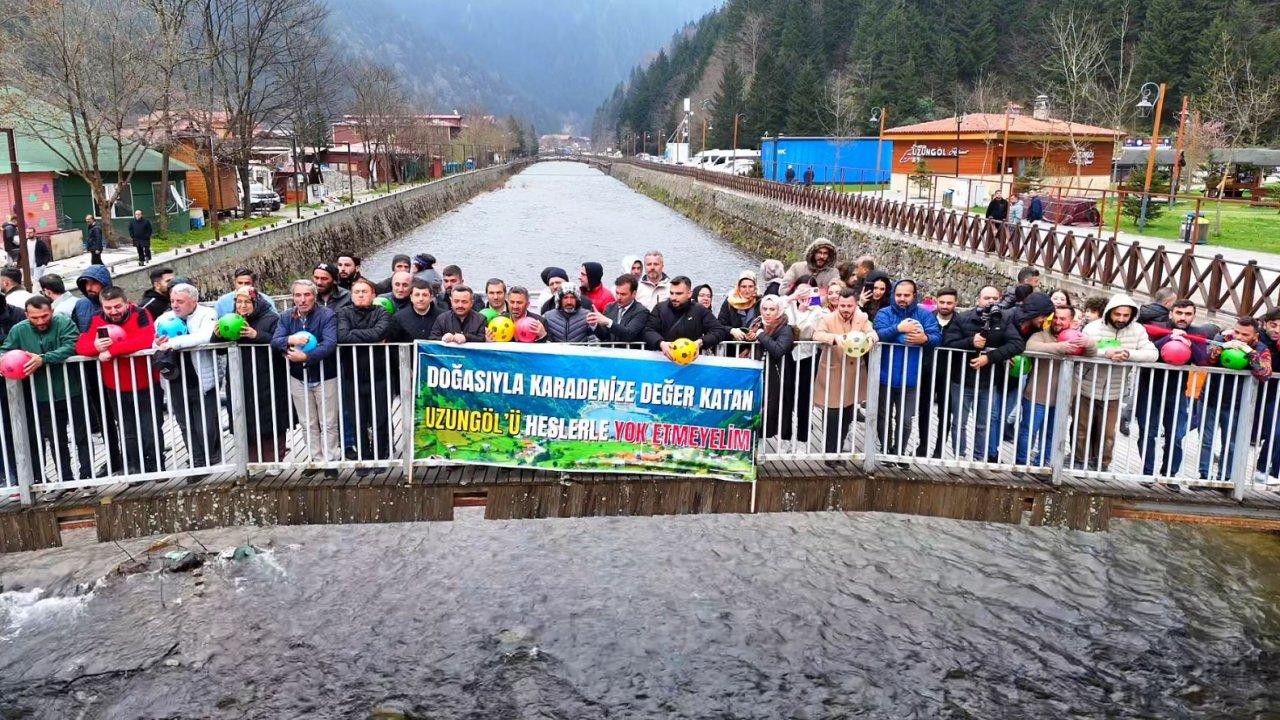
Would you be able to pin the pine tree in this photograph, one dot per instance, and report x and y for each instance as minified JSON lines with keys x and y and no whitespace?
{"x":807,"y":111}
{"x":1171,"y":43}
{"x":768,"y":100}
{"x":729,"y":100}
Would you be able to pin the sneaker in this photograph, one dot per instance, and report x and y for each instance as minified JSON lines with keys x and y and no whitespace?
{"x":1124,"y":429}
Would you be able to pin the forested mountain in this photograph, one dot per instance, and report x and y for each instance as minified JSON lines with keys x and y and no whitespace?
{"x":548,"y":61}
{"x":819,"y":67}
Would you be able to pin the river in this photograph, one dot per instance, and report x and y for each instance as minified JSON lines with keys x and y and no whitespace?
{"x":825,"y":615}
{"x":563,"y":214}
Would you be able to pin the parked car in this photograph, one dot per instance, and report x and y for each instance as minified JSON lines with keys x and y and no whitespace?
{"x":1071,"y":211}
{"x":263,"y":198}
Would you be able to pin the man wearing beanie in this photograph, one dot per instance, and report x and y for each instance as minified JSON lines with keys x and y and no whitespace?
{"x":328,"y":293}
{"x":553,"y":278}
{"x":424,"y":267}
{"x":399,"y":263}
{"x":589,"y":277}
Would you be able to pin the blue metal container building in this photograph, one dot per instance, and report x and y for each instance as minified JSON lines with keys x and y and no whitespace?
{"x":834,"y":159}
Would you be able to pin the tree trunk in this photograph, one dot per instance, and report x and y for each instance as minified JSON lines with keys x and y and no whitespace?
{"x":162,"y":203}
{"x":246,"y":198}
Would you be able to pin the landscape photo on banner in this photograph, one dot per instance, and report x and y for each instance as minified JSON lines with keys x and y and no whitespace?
{"x":568,"y":408}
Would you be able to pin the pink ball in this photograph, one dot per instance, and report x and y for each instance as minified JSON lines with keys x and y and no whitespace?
{"x":1176,"y":352}
{"x":115,"y":332}
{"x":12,"y":363}
{"x":526,"y":330}
{"x":1071,"y":334}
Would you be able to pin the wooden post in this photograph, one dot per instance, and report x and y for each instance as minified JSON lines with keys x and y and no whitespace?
{"x":1177,"y":152}
{"x":1004,"y":151}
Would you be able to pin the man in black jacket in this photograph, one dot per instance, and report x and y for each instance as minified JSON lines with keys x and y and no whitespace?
{"x":998,"y":208}
{"x":462,"y":324}
{"x":416,"y":321}
{"x":681,"y":317}
{"x":518,"y":309}
{"x":93,"y":242}
{"x":156,"y":299}
{"x":140,"y":233}
{"x":625,"y":320}
{"x":986,"y":332}
{"x":10,"y":230}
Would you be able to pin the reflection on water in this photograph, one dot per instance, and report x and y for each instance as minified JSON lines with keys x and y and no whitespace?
{"x":563,"y":214}
{"x":790,"y":615}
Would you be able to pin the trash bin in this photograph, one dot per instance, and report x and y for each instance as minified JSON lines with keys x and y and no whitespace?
{"x":1195,"y":228}
{"x":947,"y":197}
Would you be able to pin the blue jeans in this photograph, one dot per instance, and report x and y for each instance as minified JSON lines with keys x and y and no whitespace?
{"x":1035,"y":432}
{"x":988,"y":407}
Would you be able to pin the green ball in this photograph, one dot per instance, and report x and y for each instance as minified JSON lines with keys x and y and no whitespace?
{"x":1109,"y":344}
{"x":489,"y":314}
{"x":230,"y":326}
{"x":1234,"y":358}
{"x":1019,"y":365}
{"x":385,"y":304}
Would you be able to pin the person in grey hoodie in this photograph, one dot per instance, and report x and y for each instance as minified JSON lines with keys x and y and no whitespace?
{"x":820,"y":260}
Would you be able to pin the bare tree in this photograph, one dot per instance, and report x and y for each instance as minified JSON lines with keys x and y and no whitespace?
{"x":1236,"y":95}
{"x":751,"y":37}
{"x":81,"y":71}
{"x":1111,"y":90}
{"x":1077,"y":52}
{"x":842,"y":116}
{"x":257,"y":49}
{"x":378,"y":107}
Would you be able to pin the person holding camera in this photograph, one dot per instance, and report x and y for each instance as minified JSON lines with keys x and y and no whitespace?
{"x":986,"y":335}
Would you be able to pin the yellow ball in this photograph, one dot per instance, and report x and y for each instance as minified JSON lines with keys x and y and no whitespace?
{"x":502,"y":329}
{"x":855,"y":344}
{"x":684,"y":351}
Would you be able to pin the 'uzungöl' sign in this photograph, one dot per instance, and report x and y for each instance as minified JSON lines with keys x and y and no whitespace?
{"x":561,"y":407}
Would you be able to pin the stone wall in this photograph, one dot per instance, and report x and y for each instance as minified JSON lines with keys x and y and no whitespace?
{"x":292,"y":248}
{"x":769,"y":229}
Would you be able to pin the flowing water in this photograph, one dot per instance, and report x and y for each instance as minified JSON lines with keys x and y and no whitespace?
{"x":775,"y":616}
{"x":563,"y":214}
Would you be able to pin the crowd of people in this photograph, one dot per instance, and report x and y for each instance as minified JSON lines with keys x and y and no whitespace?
{"x":322,"y":359}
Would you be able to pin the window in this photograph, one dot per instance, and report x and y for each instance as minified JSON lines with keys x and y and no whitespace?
{"x":177,"y":201}
{"x":124,"y":204}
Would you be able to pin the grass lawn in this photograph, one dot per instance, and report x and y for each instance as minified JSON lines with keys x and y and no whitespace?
{"x":1243,"y":227}
{"x":234,"y":225}
{"x":858,"y":187}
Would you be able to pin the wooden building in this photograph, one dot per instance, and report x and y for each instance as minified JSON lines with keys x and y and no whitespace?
{"x":964,"y":155}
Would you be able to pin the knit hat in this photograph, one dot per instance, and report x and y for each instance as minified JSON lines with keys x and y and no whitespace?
{"x":550,"y":272}
{"x":329,"y":268}
{"x":1037,"y":304}
{"x":595,"y":273}
{"x":424,"y":261}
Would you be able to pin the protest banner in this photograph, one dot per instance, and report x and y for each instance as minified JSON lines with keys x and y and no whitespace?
{"x":569,"y":408}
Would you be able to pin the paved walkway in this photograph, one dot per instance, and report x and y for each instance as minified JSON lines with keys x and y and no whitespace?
{"x":1208,"y":252}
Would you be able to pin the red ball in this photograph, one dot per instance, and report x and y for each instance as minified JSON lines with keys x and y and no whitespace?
{"x":115,"y":332}
{"x":12,"y":364}
{"x":1071,"y":334}
{"x":1176,"y":352}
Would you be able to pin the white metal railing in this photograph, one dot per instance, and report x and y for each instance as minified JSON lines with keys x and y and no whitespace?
{"x":238,"y":409}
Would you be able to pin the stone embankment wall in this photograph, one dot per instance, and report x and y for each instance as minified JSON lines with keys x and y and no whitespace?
{"x":291,"y":249}
{"x":769,"y":229}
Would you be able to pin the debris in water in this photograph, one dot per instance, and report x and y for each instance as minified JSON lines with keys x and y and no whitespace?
{"x":182,"y":561}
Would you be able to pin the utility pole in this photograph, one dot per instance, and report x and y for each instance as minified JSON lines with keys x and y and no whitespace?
{"x":1004,"y":150}
{"x":297,"y":185}
{"x":882,"y":113}
{"x":15,"y":178}
{"x":216,"y":198}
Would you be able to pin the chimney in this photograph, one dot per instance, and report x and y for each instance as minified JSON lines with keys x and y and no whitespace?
{"x":1040,"y":110}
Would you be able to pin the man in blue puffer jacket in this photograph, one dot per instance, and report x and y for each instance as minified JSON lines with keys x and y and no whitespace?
{"x":902,"y":323}
{"x":91,"y":282}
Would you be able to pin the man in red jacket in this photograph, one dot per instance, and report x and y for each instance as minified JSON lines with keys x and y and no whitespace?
{"x":130,"y":404}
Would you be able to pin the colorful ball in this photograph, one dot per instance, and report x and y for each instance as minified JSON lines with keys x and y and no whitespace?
{"x":489,"y":314}
{"x":385,"y":304}
{"x":1176,"y":352}
{"x":310,"y":344}
{"x":115,"y":332}
{"x":684,"y":351}
{"x":855,"y":344}
{"x":1234,"y":358}
{"x":12,"y":364}
{"x":1071,"y":334}
{"x":1019,"y":365}
{"x":171,"y":327}
{"x":502,"y":329}
{"x":526,"y":330}
{"x":1109,"y":344}
{"x":230,"y":326}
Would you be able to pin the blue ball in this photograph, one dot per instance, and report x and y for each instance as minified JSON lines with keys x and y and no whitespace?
{"x":310,"y":344}
{"x":171,"y":327}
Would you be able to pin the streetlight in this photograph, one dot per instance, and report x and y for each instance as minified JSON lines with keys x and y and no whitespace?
{"x":733,"y":169}
{"x":706,"y":108}
{"x":1144,"y":109}
{"x":878,"y":114}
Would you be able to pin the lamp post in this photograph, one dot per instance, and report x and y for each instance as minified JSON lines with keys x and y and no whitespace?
{"x":24,"y":262}
{"x":878,"y":115}
{"x":706,"y":108}
{"x":1144,"y":107}
{"x":1177,"y":152}
{"x":644,"y":143}
{"x":733,"y":169}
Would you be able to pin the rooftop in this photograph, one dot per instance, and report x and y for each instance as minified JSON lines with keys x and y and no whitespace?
{"x":986,"y":124}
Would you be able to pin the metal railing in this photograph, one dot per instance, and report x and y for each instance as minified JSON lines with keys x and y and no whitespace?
{"x":1215,"y":283}
{"x":241,"y":409}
